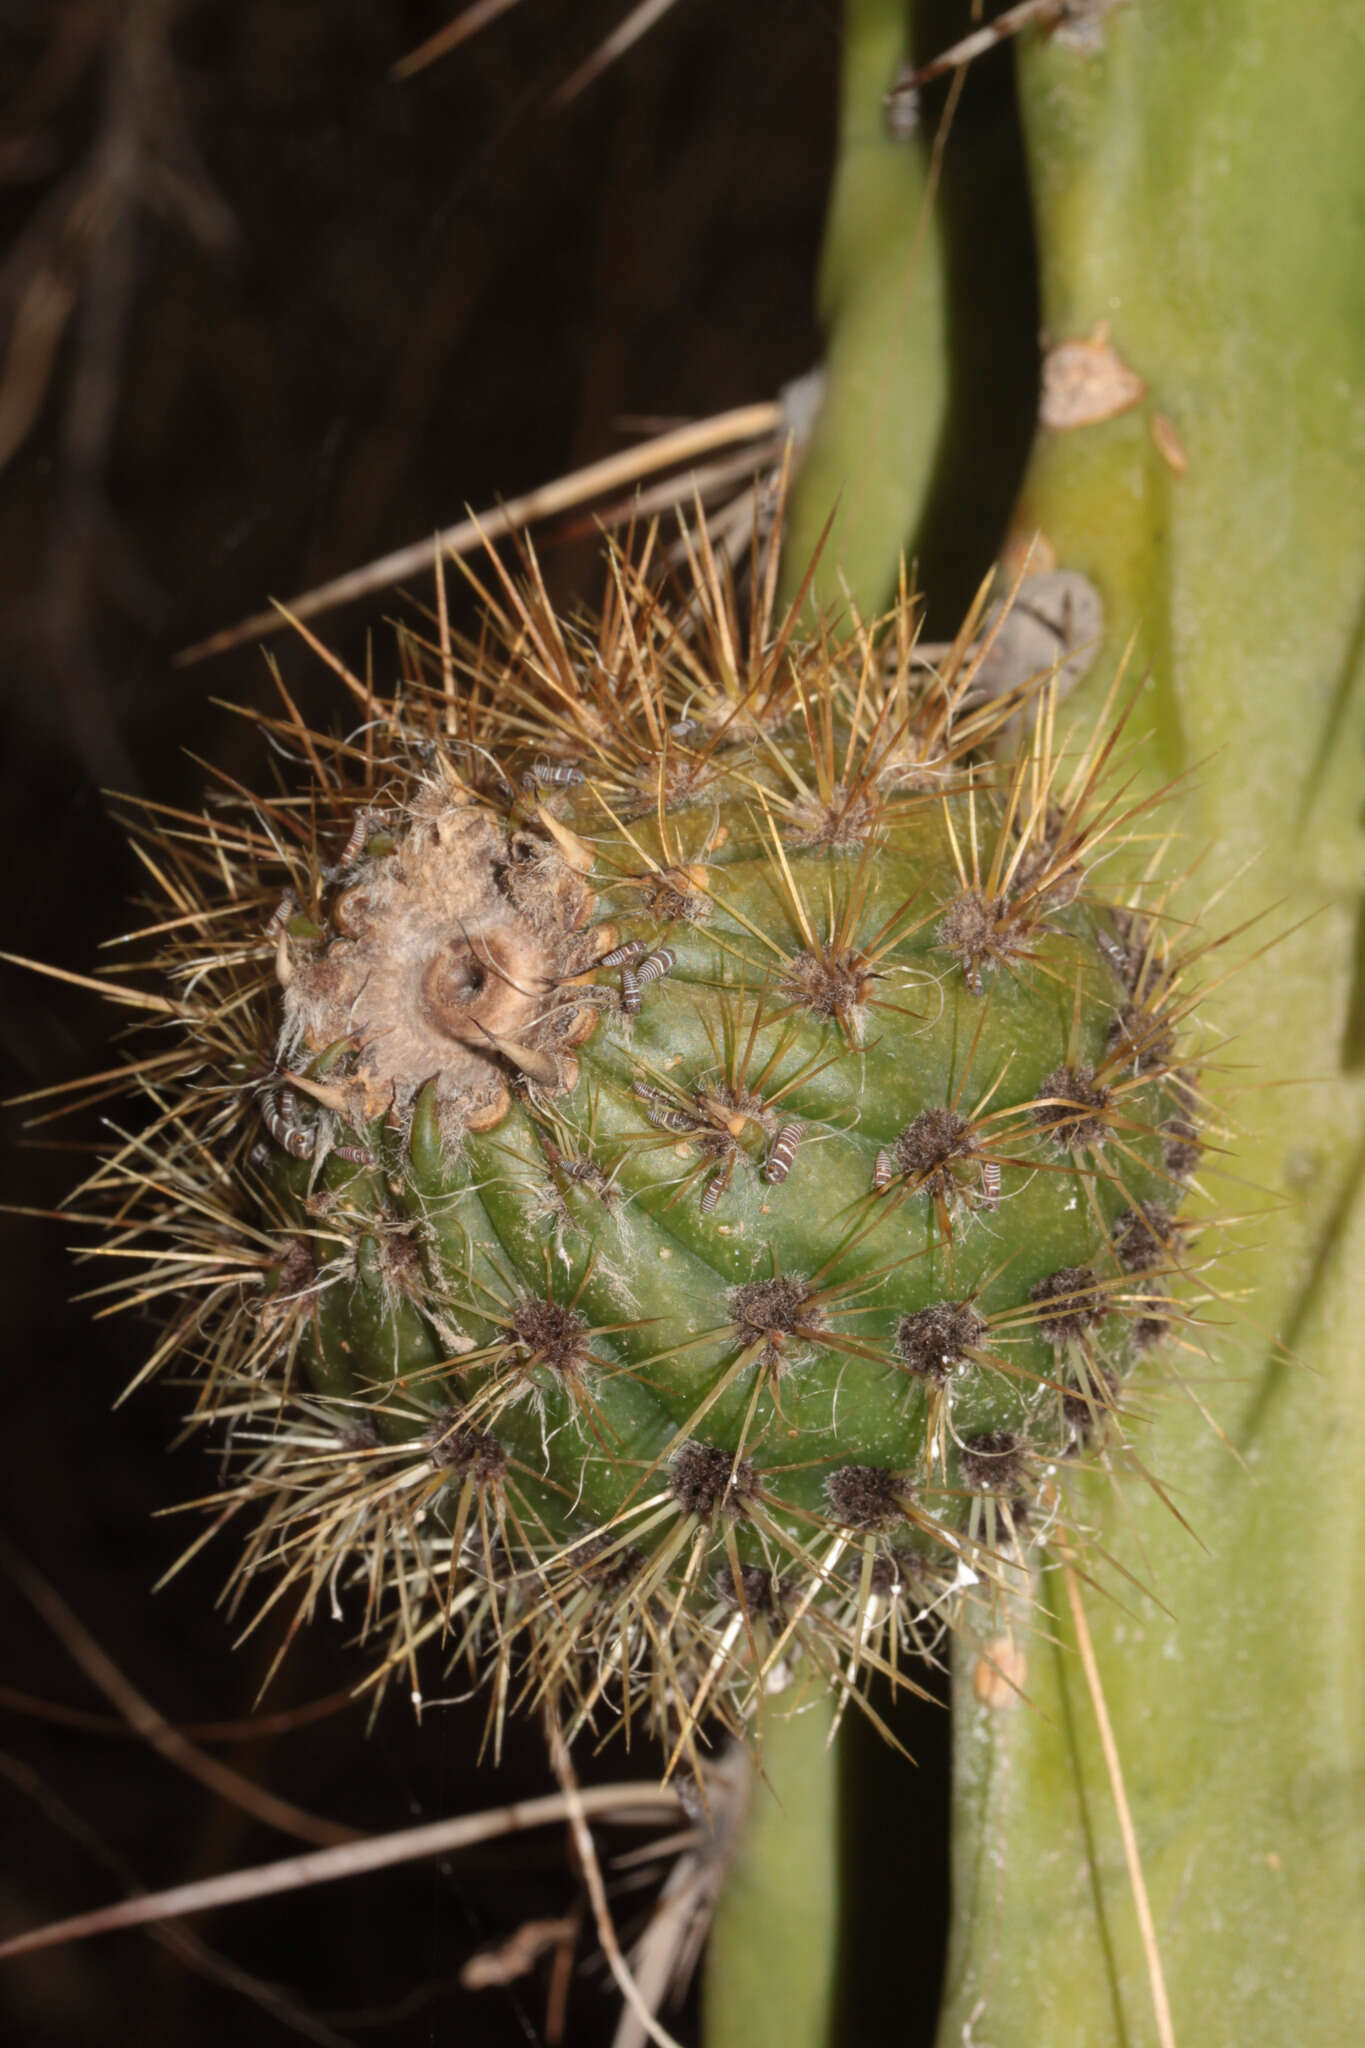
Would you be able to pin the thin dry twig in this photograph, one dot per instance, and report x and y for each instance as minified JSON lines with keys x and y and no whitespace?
{"x":612,"y":473}
{"x":576,"y":1809}
{"x":143,"y":1718}
{"x":247,"y":1728}
{"x":466,"y":23}
{"x":180,"y":1942}
{"x":1156,"y":1977}
{"x":518,"y":1955}
{"x":623,"y":37}
{"x":352,"y":1859}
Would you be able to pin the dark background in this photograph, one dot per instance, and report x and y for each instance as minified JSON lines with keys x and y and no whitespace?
{"x":313,"y":314}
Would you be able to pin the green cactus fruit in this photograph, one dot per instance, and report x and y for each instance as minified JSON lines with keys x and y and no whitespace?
{"x":672,"y":1152}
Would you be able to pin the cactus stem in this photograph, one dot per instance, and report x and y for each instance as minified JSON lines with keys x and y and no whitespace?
{"x":1142,"y":1906}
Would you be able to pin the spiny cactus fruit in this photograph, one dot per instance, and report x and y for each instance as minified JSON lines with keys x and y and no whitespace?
{"x":671,"y":1152}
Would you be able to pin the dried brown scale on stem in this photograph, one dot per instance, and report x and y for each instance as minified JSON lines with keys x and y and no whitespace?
{"x":458,"y":954}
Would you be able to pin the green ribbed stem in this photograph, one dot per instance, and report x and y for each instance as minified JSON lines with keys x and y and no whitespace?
{"x":881,"y":300}
{"x":1201,"y":188}
{"x":784,"y":1882}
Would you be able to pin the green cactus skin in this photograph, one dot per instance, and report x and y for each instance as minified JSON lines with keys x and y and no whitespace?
{"x":1201,"y":185}
{"x":783,"y":1873}
{"x":882,"y":303}
{"x":677,"y":1159}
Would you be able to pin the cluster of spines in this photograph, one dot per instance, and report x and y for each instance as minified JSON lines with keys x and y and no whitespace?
{"x":422,"y":1503}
